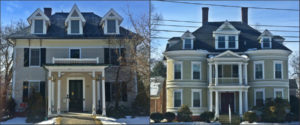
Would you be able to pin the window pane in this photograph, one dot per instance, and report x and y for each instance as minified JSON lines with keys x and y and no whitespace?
{"x":278,"y":71}
{"x":177,"y":99}
{"x":278,"y":94}
{"x":259,"y":98}
{"x":196,"y":99}
{"x":38,"y":26}
{"x":74,"y":26}
{"x":34,"y":87}
{"x":196,"y":71}
{"x":221,"y":41}
{"x":75,"y":53}
{"x":177,"y":71}
{"x":188,"y":44}
{"x":258,"y":71}
{"x":35,"y":57}
{"x":111,"y":26}
{"x":231,"y":42}
{"x":266,"y":43}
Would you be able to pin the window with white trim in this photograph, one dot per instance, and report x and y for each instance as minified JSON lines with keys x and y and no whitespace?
{"x":111,"y":26}
{"x":177,"y":70}
{"x":226,"y":42}
{"x":258,"y":70}
{"x":196,"y":70}
{"x":266,"y":42}
{"x":196,"y":97}
{"x":278,"y":69}
{"x":75,"y":26}
{"x":75,"y":53}
{"x":259,"y":97}
{"x":35,"y":57}
{"x":38,"y":26}
{"x":221,"y":42}
{"x":278,"y":93}
{"x":231,"y":42}
{"x":188,"y":44}
{"x":177,"y":98}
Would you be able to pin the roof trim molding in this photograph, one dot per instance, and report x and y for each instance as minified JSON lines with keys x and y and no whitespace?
{"x":266,"y":33}
{"x":75,"y":8}
{"x":33,"y":16}
{"x":115,"y":16}
{"x":188,"y":34}
{"x":226,"y":25}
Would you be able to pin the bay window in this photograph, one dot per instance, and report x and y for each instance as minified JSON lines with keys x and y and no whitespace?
{"x":196,"y":69}
{"x":177,"y":98}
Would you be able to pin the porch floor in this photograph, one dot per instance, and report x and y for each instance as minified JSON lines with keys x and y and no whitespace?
{"x":76,"y":118}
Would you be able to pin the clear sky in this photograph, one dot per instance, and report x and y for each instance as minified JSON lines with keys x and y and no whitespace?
{"x":15,"y":10}
{"x":179,"y":11}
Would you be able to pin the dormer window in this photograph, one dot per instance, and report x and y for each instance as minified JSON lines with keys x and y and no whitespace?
{"x":111,"y":26}
{"x":231,"y":42}
{"x":75,"y":26}
{"x":111,"y":23}
{"x":75,"y":22}
{"x":226,"y":37}
{"x":38,"y":26}
{"x":266,"y":43}
{"x":266,"y":39}
{"x":39,"y":22}
{"x":188,"y":43}
{"x":188,"y":40}
{"x":221,"y":42}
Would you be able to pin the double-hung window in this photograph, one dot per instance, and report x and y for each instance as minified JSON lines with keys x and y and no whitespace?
{"x":266,"y":43}
{"x":74,"y":53}
{"x":221,"y":42}
{"x":111,"y":26}
{"x":259,"y":97}
{"x":177,"y":71}
{"x":259,"y":70}
{"x":278,"y":69}
{"x":231,"y":42}
{"x":196,"y":97}
{"x":35,"y":55}
{"x":196,"y":69}
{"x":188,"y":44}
{"x":75,"y":26}
{"x":278,"y":93}
{"x":38,"y":26}
{"x":177,"y":98}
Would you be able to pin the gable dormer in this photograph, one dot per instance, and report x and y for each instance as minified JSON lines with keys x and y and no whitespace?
{"x":187,"y":40}
{"x":265,"y":39}
{"x":75,"y":21}
{"x":38,"y":22}
{"x":111,"y":22}
{"x":226,"y":36}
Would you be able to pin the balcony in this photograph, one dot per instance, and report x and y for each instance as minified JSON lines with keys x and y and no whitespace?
{"x":228,"y":81}
{"x":75,"y":60}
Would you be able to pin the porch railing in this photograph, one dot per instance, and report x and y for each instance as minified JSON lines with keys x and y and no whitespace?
{"x":75,"y":60}
{"x":227,"y":81}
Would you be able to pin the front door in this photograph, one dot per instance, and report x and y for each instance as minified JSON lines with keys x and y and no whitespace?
{"x":226,"y":100}
{"x":75,"y":96}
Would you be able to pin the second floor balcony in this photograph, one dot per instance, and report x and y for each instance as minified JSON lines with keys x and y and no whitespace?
{"x":75,"y":60}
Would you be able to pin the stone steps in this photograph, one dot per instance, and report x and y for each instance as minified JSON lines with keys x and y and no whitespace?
{"x":224,"y":119}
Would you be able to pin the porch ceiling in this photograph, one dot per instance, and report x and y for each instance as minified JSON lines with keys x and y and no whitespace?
{"x":76,"y":67}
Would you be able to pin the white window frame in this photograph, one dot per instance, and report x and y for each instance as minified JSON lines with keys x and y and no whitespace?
{"x":192,"y":43}
{"x":196,"y":90}
{"x":227,"y":41}
{"x":72,"y":49}
{"x":262,"y":44}
{"x":80,"y":26}
{"x":33,"y":26}
{"x":39,"y":57}
{"x":106,"y":27}
{"x":177,"y":90}
{"x":278,"y":90}
{"x":274,"y":69}
{"x":259,"y":90}
{"x":263,"y":69}
{"x":181,"y":68}
{"x":192,"y":70}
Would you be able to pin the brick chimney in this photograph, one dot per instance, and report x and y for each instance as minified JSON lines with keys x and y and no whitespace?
{"x":204,"y":15}
{"x":48,"y":11}
{"x":245,"y":15}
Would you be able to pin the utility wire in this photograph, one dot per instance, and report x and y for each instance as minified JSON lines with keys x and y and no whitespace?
{"x":230,"y":5}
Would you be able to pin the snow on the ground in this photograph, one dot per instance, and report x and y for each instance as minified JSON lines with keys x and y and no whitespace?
{"x":124,"y":121}
{"x":187,"y":123}
{"x":22,"y":120}
{"x":266,"y":123}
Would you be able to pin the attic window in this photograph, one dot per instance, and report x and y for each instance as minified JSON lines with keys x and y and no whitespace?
{"x":38,"y":26}
{"x":75,"y":26}
{"x":266,"y":42}
{"x":221,"y":42}
{"x":111,"y":26}
{"x":188,"y":44}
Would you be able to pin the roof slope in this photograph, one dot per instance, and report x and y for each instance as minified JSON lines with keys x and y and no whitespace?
{"x":248,"y":38}
{"x":91,"y":29}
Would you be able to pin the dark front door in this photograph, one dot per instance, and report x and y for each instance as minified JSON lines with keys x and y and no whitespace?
{"x":75,"y":96}
{"x":226,"y":100}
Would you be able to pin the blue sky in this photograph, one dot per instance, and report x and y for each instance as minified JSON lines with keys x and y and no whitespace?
{"x":178,"y":11}
{"x":15,"y":10}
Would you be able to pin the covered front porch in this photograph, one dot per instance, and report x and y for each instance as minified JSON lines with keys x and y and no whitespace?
{"x":75,"y":88}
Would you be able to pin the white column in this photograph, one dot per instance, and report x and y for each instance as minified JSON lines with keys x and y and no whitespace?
{"x":245,"y":73}
{"x":103,"y":94}
{"x":98,"y":93}
{"x":52,"y":96}
{"x":210,"y":74}
{"x":240,"y":73}
{"x":210,"y":100}
{"x":49,"y":93}
{"x":58,"y":93}
{"x":246,"y":101}
{"x":217,"y":104}
{"x":216,"y":74}
{"x":240,"y":103}
{"x":94,"y":94}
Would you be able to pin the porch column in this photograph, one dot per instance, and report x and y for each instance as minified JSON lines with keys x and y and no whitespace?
{"x":98,"y":92}
{"x":240,"y":103}
{"x":217,"y":104}
{"x":240,"y":73}
{"x":210,"y":74}
{"x":52,"y":96}
{"x":58,"y":93}
{"x":103,"y":94}
{"x":49,"y":93}
{"x":246,"y":101}
{"x":216,"y":74}
{"x":245,"y":73}
{"x":94,"y":94}
{"x":210,"y":100}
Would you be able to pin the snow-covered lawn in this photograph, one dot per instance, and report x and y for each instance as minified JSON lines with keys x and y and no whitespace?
{"x":265,"y":123}
{"x":124,"y":121}
{"x":187,"y":123}
{"x":22,"y":120}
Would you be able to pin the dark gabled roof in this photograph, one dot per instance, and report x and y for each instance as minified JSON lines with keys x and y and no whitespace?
{"x":248,"y":38}
{"x":293,"y":84}
{"x":57,"y":29}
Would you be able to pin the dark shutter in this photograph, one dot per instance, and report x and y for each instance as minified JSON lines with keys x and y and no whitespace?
{"x":42,"y":88}
{"x":43,"y":56}
{"x":124,"y":91}
{"x":107,"y":92}
{"x":26,"y":57}
{"x":25,"y":91}
{"x":106,"y":55}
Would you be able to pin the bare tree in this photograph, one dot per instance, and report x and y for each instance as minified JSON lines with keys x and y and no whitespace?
{"x":294,"y":63}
